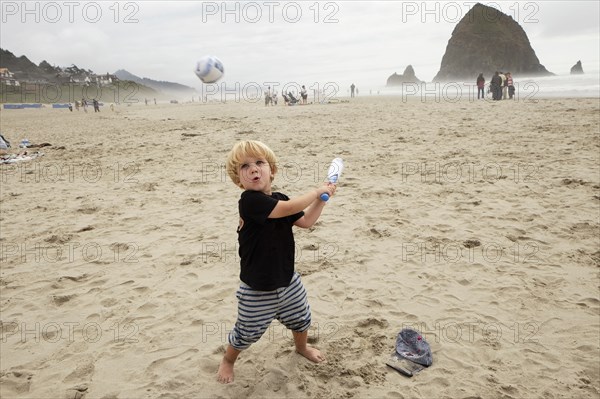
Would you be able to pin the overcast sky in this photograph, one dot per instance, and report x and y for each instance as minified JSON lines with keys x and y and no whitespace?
{"x":277,"y":41}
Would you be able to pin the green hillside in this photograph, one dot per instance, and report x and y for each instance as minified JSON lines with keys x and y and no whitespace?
{"x":119,"y":92}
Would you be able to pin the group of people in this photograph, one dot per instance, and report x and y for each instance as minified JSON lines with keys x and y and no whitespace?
{"x":288,"y":99}
{"x":502,"y":86}
{"x":84,"y":104}
{"x":270,"y":96}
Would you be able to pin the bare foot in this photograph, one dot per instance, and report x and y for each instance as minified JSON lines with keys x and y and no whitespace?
{"x":225,"y":373}
{"x":312,"y":354}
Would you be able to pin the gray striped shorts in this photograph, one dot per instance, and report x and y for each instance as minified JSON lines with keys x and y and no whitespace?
{"x":257,"y":309}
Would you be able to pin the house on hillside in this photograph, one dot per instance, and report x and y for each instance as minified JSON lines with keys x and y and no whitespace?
{"x":7,"y":77}
{"x":80,"y":77}
{"x":104,"y":80}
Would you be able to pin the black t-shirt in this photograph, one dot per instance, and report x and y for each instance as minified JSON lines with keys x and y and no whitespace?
{"x":267,"y":247}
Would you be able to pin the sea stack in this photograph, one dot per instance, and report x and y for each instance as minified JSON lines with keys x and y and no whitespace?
{"x":407,"y":77}
{"x":577,"y":69}
{"x":487,"y":40}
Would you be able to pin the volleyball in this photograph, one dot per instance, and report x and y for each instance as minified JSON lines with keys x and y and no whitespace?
{"x":209,"y":69}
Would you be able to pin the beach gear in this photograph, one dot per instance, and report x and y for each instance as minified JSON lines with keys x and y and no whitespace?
{"x":411,"y":345}
{"x":333,"y":174}
{"x":4,"y":144}
{"x":15,"y":158}
{"x":412,"y":354}
{"x":404,"y":366}
{"x":292,"y":100}
{"x":209,"y":69}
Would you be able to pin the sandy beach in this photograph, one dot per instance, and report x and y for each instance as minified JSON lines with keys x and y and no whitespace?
{"x":476,"y":223}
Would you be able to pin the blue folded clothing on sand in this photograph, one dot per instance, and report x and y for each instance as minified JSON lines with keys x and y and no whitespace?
{"x":411,"y":345}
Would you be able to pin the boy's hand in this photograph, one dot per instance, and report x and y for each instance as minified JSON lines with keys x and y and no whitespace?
{"x":316,"y":206}
{"x":327,"y":188}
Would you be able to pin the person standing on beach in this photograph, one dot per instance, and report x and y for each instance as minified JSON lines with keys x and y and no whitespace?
{"x":511,"y":85}
{"x":480,"y":86}
{"x":270,"y":288}
{"x":496,"y":86}
{"x":303,"y":94}
{"x":274,"y":97}
{"x":352,"y":90}
{"x":503,"y":89}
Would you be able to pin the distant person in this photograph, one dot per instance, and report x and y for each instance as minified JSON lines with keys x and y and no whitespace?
{"x":504,"y":87}
{"x":96,"y":105}
{"x":480,"y":86}
{"x":268,"y":96}
{"x":352,"y":87}
{"x":70,"y":107}
{"x":303,"y":94}
{"x":155,"y":100}
{"x":496,"y":86}
{"x":84,"y":104}
{"x":274,"y":97}
{"x":511,"y":85}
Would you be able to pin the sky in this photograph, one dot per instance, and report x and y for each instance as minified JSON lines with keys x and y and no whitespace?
{"x":315,"y":43}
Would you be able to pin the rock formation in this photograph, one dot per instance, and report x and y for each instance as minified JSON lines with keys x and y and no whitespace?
{"x":407,"y":77}
{"x":486,"y":40}
{"x":577,"y":69}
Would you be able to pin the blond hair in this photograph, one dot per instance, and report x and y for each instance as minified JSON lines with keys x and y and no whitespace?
{"x":249,"y":148}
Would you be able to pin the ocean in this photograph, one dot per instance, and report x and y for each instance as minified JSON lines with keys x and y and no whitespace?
{"x":527,"y":89}
{"x":586,"y":85}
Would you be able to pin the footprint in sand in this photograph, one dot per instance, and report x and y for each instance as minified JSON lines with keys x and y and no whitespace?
{"x":109,"y":302}
{"x":62,"y":299}
{"x":76,"y":279}
{"x":88,"y":210}
{"x":84,"y":369}
{"x":15,"y":382}
{"x":77,"y":392}
{"x":471,"y":243}
{"x":59,"y":238}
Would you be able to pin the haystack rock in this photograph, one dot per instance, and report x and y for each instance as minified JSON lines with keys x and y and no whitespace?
{"x":487,"y":40}
{"x":577,"y":69}
{"x":407,"y":77}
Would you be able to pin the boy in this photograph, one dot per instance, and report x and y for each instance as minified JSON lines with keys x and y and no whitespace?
{"x":270,"y":288}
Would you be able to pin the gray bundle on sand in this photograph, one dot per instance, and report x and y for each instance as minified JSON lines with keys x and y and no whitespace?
{"x":411,"y":345}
